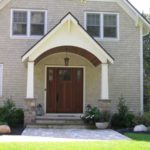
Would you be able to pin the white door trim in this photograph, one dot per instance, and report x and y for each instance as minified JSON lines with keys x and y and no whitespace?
{"x":45,"y":86}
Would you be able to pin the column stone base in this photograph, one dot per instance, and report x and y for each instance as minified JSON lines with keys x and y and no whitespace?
{"x":104,"y":105}
{"x":29,"y":111}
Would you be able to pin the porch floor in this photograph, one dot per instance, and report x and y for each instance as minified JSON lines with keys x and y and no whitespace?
{"x":74,"y":134}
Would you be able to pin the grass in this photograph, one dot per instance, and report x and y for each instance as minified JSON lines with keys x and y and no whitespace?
{"x":97,"y":145}
{"x":139,"y":137}
{"x":139,"y":142}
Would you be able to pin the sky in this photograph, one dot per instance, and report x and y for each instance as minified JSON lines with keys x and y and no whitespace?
{"x":142,"y":5}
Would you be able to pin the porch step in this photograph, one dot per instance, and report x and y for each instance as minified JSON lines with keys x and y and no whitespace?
{"x":58,"y":126}
{"x":59,"y":122}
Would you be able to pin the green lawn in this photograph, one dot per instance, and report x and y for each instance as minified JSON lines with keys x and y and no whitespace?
{"x":140,"y":142}
{"x":102,"y":145}
{"x":139,"y":137}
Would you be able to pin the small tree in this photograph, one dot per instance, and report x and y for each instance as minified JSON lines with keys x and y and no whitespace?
{"x":122,"y":119}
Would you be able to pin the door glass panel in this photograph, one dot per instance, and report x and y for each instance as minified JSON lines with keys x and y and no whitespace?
{"x":50,"y":77}
{"x":64,"y":74}
{"x":79,"y":74}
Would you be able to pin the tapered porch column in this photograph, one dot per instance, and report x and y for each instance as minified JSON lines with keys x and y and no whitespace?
{"x":104,"y":82}
{"x":30,"y":106}
{"x":30,"y":81}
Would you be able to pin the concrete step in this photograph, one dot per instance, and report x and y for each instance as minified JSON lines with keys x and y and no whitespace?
{"x":58,"y":126}
{"x":59,"y":117}
{"x":59,"y":120}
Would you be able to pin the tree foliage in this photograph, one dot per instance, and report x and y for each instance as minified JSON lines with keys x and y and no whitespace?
{"x":146,"y":46}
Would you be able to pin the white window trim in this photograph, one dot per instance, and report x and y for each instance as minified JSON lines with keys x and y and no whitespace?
{"x":102,"y":38}
{"x":28,"y":36}
{"x":1,"y":79}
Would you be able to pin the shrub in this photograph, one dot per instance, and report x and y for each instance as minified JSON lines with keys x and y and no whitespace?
{"x":11,"y":115}
{"x":3,"y":123}
{"x":122,"y":119}
{"x":144,"y":119}
{"x":91,"y":115}
{"x":17,"y":118}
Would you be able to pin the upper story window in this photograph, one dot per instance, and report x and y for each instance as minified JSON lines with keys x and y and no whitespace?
{"x":110,"y":26}
{"x":37,"y":23}
{"x":103,"y":25}
{"x":19,"y":23}
{"x":28,"y":23}
{"x":93,"y":24}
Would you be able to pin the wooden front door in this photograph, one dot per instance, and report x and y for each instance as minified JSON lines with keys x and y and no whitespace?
{"x":64,"y":90}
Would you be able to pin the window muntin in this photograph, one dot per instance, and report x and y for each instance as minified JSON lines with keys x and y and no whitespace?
{"x":108,"y":25}
{"x":28,"y":23}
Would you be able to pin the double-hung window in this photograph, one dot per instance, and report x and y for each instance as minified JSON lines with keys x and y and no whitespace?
{"x":93,"y":24}
{"x":19,"y":23}
{"x":37,"y":23}
{"x":103,"y":25}
{"x":28,"y":23}
{"x":110,"y":26}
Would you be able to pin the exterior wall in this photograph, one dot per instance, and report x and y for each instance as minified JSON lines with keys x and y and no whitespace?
{"x":124,"y":75}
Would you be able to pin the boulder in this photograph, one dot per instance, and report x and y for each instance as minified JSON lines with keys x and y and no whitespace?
{"x":140,"y":128}
{"x":5,"y":129}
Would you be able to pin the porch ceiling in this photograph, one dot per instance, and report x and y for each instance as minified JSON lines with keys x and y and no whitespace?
{"x":71,"y":49}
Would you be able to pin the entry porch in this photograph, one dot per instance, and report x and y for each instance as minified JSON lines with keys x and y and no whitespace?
{"x":66,"y":70}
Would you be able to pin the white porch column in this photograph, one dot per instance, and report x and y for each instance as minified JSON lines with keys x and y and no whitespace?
{"x":30,"y":81}
{"x":104,"y":82}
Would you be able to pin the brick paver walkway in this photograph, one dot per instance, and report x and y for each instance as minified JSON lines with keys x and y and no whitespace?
{"x":74,"y":134}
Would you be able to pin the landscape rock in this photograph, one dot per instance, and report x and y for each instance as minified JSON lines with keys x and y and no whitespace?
{"x":140,"y":128}
{"x":5,"y":129}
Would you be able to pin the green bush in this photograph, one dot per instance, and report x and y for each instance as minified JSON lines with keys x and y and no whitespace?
{"x":3,"y":123}
{"x":122,"y":119}
{"x":144,"y":119}
{"x":11,"y":115}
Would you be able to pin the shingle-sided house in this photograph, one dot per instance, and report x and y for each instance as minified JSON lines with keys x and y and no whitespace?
{"x":65,"y":54}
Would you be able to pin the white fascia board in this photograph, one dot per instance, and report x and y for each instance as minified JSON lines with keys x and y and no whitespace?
{"x":98,"y":46}
{"x":3,"y":3}
{"x":25,"y":57}
{"x":146,"y":25}
{"x":68,"y":17}
{"x":57,"y":27}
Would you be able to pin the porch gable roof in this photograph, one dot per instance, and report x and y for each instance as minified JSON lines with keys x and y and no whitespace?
{"x":68,"y":32}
